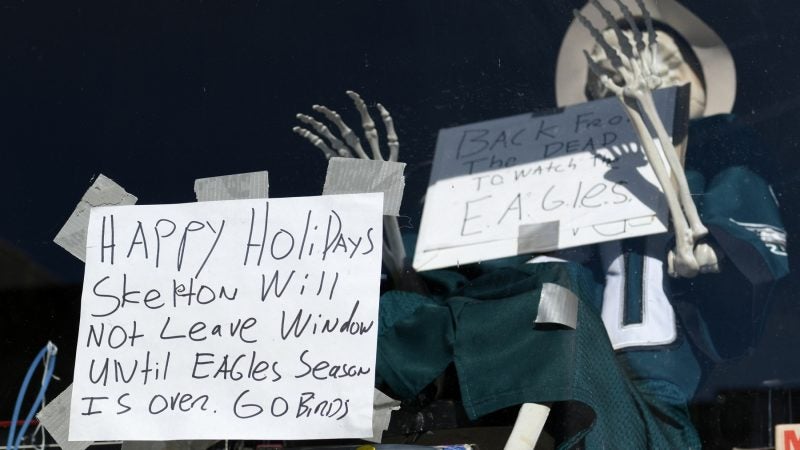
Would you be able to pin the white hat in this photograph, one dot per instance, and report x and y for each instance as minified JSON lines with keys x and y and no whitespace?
{"x":714,"y":57}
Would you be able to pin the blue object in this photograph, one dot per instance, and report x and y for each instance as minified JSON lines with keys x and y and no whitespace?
{"x":14,"y":439}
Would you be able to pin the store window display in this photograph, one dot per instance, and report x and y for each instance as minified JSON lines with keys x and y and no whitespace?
{"x":646,"y":340}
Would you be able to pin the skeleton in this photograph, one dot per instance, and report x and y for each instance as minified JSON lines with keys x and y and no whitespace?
{"x":637,"y":71}
{"x":349,"y":146}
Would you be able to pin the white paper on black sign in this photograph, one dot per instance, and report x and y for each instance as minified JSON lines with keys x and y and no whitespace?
{"x":240,"y":319}
{"x":536,"y":183}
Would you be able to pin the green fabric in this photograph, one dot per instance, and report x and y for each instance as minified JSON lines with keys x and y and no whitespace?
{"x":675,"y":365}
{"x":739,"y":194}
{"x":415,"y":341}
{"x":504,"y":359}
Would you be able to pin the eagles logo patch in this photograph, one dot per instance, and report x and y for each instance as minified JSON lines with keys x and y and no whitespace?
{"x":774,"y":238}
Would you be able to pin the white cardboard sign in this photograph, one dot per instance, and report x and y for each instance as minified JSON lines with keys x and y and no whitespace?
{"x":241,"y":319}
{"x":527,"y":184}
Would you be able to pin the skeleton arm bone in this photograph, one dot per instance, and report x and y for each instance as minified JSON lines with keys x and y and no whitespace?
{"x":705,"y":254}
{"x":689,"y":208}
{"x":685,"y":264}
{"x":640,"y":73}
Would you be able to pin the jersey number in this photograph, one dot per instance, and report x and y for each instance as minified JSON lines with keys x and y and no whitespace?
{"x":636,"y":311}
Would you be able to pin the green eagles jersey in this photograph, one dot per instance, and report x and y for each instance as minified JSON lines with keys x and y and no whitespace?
{"x":487,"y":327}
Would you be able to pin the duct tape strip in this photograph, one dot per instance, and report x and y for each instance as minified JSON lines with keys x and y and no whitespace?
{"x":537,"y":237}
{"x":382,"y":408}
{"x":233,"y":187}
{"x":358,"y":176}
{"x":557,"y":305}
{"x":104,"y":192}
{"x":55,"y":419}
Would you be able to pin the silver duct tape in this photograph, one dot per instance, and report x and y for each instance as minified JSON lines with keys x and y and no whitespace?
{"x":557,"y":305}
{"x":359,"y":176}
{"x":232,"y":187}
{"x":103,"y":192}
{"x":55,"y":419}
{"x":382,"y":408}
{"x":537,"y":237}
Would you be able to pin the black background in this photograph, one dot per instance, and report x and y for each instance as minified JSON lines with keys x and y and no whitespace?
{"x":156,"y":94}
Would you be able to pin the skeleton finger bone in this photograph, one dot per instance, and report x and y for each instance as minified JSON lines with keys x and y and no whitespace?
{"x":316,"y":140}
{"x":320,"y":128}
{"x":391,"y":136}
{"x":648,"y":22}
{"x":637,"y":33}
{"x":369,"y":125}
{"x":348,"y":135}
{"x":633,"y":59}
{"x":624,"y":45}
{"x":610,"y":52}
{"x":652,"y":44}
{"x":632,"y":64}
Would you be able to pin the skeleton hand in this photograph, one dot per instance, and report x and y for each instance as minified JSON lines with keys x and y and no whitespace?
{"x":637,"y":72}
{"x":394,"y":254}
{"x":352,"y":144}
{"x":636,"y":68}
